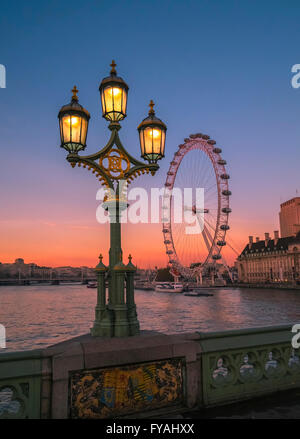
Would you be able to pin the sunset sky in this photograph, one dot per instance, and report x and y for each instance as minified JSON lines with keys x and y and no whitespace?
{"x":221,"y":68}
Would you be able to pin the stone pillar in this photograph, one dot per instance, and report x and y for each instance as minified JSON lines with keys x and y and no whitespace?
{"x":131,"y":307}
{"x":119,"y":307}
{"x":103,"y":319}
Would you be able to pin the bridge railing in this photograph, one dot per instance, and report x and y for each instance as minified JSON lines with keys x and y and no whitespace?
{"x":218,"y":368}
{"x":20,"y":384}
{"x":243,"y":364}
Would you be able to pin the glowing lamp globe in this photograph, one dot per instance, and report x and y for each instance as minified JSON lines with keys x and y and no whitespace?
{"x":113,"y":92}
{"x":73,"y":124}
{"x":152,"y":133}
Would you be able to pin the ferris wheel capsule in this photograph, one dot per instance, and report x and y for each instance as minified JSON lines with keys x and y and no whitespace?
{"x":217,"y":150}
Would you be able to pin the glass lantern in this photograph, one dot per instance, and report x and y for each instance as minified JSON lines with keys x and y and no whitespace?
{"x":113,"y":92}
{"x":152,"y":132}
{"x":73,"y":124}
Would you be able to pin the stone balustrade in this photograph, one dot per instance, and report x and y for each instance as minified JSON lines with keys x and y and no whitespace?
{"x":243,"y":364}
{"x":147,"y":375}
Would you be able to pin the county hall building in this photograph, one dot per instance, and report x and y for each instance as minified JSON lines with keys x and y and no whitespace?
{"x":274,"y":259}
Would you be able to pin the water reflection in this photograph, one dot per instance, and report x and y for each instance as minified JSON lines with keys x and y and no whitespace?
{"x":37,"y":316}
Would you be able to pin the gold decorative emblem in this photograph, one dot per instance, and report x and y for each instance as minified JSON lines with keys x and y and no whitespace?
{"x":115,"y":164}
{"x":117,"y":391}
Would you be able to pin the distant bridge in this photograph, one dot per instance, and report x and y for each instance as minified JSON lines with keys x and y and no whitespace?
{"x":55,"y":281}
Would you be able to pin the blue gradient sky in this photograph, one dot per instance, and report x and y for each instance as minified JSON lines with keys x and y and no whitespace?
{"x":222,"y":68}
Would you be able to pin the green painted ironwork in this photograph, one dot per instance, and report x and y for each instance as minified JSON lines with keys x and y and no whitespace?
{"x":114,"y":317}
{"x":243,"y":364}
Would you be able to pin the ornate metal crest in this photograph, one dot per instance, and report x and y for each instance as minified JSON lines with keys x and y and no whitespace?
{"x":113,"y":162}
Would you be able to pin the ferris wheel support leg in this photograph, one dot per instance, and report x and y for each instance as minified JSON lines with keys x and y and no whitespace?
{"x":227,"y":268}
{"x":200,"y":277}
{"x":207,"y":236}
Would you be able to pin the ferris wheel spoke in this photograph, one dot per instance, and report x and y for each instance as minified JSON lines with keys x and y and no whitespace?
{"x":210,"y":193}
{"x":206,"y":239}
{"x":206,"y":179}
{"x":212,"y":186}
{"x":209,"y":235}
{"x":210,"y":225}
{"x":208,"y":222}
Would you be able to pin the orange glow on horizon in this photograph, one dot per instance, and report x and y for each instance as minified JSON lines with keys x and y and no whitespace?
{"x":60,"y":244}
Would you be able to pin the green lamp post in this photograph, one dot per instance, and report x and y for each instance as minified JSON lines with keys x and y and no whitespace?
{"x":115,"y":314}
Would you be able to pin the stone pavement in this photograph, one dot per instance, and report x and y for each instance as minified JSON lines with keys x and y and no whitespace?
{"x":282,"y":405}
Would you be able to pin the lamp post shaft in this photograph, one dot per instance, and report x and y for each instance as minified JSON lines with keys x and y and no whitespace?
{"x":117,"y":317}
{"x":115,"y":251}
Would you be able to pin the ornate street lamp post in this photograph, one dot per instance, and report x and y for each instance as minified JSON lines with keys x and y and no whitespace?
{"x":115,"y":314}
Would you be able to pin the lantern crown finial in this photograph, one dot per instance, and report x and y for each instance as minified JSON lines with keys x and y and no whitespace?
{"x":74,"y":91}
{"x":100,"y":257}
{"x":113,"y":68}
{"x":151,"y":111}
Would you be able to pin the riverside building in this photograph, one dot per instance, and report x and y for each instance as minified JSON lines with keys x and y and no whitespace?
{"x":289,"y":217}
{"x":270,"y":260}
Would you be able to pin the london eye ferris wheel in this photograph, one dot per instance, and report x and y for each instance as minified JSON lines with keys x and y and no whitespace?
{"x":197,"y":163}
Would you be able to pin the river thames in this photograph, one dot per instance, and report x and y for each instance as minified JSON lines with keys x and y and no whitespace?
{"x":38,"y":316}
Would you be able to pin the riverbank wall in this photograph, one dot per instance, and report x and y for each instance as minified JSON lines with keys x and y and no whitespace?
{"x":276,"y":286}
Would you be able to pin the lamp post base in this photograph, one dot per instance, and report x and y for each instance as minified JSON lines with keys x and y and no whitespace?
{"x":133,"y":321}
{"x":98,"y":330}
{"x":103,"y":325}
{"x":120,"y":320}
{"x":116,"y":321}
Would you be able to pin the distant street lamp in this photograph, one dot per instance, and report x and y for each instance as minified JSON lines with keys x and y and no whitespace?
{"x":115,"y":315}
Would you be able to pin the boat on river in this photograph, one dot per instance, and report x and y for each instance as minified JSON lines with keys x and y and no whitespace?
{"x":196,"y":293}
{"x":144,"y":285}
{"x":168,"y":287}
